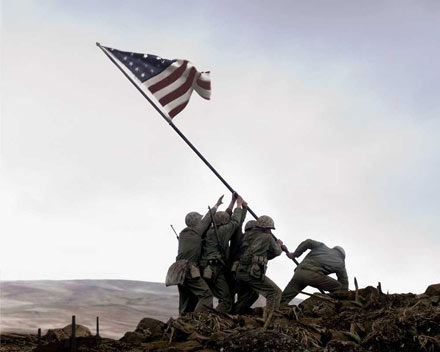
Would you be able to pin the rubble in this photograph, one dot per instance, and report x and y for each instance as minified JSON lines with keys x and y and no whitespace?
{"x":361,"y":320}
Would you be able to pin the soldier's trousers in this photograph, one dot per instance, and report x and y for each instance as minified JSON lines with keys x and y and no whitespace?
{"x":194,"y":295}
{"x":246,"y":296}
{"x":265,"y":287}
{"x":303,"y":278}
{"x":220,"y":289}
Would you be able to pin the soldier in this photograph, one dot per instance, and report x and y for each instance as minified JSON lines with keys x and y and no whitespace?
{"x":242,"y":290}
{"x":232,"y":257}
{"x":258,"y":247}
{"x":313,"y":270}
{"x":216,"y":249}
{"x":194,"y":293}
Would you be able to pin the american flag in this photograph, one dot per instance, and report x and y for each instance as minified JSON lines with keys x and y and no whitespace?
{"x":171,"y":82}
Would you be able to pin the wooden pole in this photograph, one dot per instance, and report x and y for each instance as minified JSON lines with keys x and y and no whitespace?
{"x":97,"y":326}
{"x":39,"y":336}
{"x":73,"y":337}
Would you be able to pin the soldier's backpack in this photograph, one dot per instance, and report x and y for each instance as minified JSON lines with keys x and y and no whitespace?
{"x":176,"y":273}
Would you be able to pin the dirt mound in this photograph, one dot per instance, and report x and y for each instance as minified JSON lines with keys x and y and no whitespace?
{"x":363,"y":320}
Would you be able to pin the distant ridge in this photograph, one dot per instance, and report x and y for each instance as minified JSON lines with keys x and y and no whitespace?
{"x":120,"y":304}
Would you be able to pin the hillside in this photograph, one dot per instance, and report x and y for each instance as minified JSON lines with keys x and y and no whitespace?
{"x":358,"y":321}
{"x":120,"y":304}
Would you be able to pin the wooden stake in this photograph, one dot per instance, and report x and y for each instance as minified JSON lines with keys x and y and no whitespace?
{"x":356,"y":297}
{"x":73,"y":337}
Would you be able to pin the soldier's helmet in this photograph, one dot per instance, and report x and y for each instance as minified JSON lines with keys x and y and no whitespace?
{"x":250,"y":225}
{"x":340,"y":250}
{"x":193,"y":218}
{"x":221,"y":218}
{"x":265,"y":222}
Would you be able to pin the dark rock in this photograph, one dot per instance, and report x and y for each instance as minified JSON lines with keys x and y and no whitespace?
{"x":65,"y":333}
{"x":433,"y":290}
{"x":152,"y":326}
{"x":135,"y":337}
{"x":342,"y":294}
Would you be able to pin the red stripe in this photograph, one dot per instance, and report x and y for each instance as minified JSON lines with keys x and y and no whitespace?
{"x":181,"y":90}
{"x":204,"y":84}
{"x":178,"y":109}
{"x":175,"y":75}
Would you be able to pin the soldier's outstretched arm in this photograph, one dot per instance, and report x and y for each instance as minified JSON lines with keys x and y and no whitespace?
{"x":343,"y":278}
{"x":236,"y":219}
{"x":274,"y":248}
{"x":231,"y":204}
{"x":206,"y":220}
{"x":305,"y":245}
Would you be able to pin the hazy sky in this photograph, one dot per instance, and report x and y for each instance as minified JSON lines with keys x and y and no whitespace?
{"x":324,"y":115}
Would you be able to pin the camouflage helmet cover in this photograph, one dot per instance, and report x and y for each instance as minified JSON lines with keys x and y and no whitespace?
{"x":193,"y":218}
{"x":265,"y":222}
{"x":250,"y":225}
{"x":340,"y":250}
{"x":221,"y":218}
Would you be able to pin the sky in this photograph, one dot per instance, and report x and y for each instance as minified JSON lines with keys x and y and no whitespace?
{"x":324,"y":115}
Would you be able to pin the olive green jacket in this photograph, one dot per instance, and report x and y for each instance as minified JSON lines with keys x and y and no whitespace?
{"x":190,"y":240}
{"x":258,"y":243}
{"x":322,"y":259}
{"x":211,"y":248}
{"x":236,"y":240}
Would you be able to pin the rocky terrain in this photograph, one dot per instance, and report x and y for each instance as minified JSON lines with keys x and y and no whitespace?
{"x":362,"y":320}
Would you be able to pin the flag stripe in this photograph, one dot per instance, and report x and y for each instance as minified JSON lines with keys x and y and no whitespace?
{"x":181,"y":90}
{"x":204,"y":84}
{"x":175,"y":85}
{"x":178,"y":101}
{"x":169,"y":79}
{"x":170,"y":69}
{"x":178,"y":109}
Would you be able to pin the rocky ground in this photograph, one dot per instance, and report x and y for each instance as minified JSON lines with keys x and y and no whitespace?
{"x":363,"y":320}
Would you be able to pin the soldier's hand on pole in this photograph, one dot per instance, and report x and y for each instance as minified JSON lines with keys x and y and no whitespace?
{"x":239,"y":202}
{"x":220,"y":201}
{"x":234,"y":195}
{"x":290,"y":255}
{"x":279,"y":243}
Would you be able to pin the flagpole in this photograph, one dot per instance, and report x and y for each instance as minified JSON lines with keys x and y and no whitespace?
{"x":174,"y":127}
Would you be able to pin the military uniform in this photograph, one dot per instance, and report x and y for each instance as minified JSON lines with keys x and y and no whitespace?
{"x":257,"y":248}
{"x":313,"y":270}
{"x":214,"y":259}
{"x":233,"y":255}
{"x":194,"y":293}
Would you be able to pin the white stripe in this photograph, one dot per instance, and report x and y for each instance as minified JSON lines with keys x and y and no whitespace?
{"x":180,"y":100}
{"x":169,"y":70}
{"x":176,"y":84}
{"x":136,"y":81}
{"x":199,"y":89}
{"x":202,"y":92}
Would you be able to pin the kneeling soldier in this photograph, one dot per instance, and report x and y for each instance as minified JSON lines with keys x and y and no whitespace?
{"x":313,"y":270}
